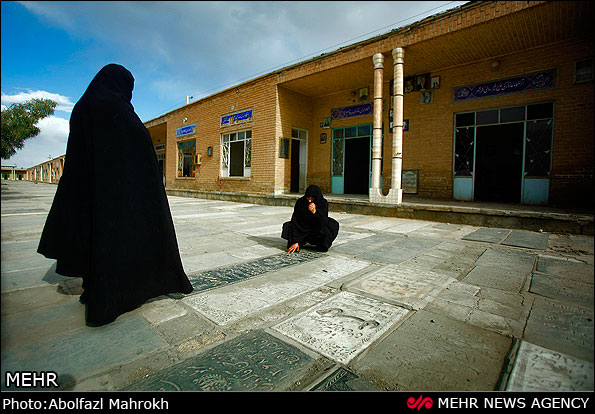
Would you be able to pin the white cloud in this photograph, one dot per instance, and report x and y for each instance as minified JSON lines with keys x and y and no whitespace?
{"x":50,"y":143}
{"x":64,"y":103}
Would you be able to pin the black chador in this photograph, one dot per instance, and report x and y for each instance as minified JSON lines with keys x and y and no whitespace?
{"x":110,"y":221}
{"x":310,"y":223}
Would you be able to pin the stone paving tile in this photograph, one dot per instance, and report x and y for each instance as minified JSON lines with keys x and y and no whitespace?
{"x":256,"y":361}
{"x":342,"y":326}
{"x":491,"y":309}
{"x":527,"y":239}
{"x":390,"y":248}
{"x":515,"y":260}
{"x":564,"y":290}
{"x":565,"y":268}
{"x":488,"y":235}
{"x":86,"y":351}
{"x":497,"y":277}
{"x":408,"y":226}
{"x":402,"y":285}
{"x":561,"y":327}
{"x":422,"y":353}
{"x":348,"y":236}
{"x":381,"y":224}
{"x":26,"y":278}
{"x":444,"y":231}
{"x":263,"y":230}
{"x":540,"y":369}
{"x":42,"y":322}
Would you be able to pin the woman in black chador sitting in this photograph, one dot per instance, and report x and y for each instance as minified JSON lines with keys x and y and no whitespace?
{"x":310,"y":223}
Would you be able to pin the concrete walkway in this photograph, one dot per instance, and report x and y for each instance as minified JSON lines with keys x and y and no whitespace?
{"x":396,"y":304}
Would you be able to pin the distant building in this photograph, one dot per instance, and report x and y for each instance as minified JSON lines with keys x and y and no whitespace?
{"x":47,"y":172}
{"x":11,"y":172}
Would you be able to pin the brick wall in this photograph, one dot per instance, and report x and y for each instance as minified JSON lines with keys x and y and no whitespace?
{"x":206,"y":113}
{"x":294,"y":111}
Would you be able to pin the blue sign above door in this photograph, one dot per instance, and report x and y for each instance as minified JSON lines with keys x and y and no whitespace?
{"x":185,"y":130}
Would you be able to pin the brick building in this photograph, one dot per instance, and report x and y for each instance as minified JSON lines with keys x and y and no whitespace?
{"x":11,"y":172}
{"x":496,"y":102}
{"x":47,"y":172}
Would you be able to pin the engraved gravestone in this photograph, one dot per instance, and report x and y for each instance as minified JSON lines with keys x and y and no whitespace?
{"x":344,"y":380}
{"x":236,"y":273}
{"x":342,"y":326}
{"x":403,"y":285}
{"x":256,"y":361}
{"x":540,"y":369}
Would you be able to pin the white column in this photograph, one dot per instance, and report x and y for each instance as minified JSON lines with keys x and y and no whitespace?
{"x":378,"y":60}
{"x":396,"y":192}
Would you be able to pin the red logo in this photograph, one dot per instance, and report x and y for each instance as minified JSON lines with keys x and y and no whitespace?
{"x":420,"y":403}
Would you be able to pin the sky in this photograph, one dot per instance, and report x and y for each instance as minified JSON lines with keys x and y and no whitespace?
{"x":53,"y":49}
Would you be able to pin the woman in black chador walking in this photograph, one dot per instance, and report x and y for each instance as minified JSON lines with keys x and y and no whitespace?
{"x":310,"y":223}
{"x":110,"y":221}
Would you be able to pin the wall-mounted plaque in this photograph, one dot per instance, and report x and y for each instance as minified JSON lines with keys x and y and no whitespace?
{"x":409,"y":181}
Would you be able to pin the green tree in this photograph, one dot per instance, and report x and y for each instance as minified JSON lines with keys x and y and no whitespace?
{"x":18,"y":123}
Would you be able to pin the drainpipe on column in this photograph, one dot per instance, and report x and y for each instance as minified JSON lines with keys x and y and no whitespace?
{"x":395,"y":195}
{"x":376,"y":192}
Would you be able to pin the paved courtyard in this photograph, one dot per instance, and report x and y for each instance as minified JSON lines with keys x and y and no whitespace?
{"x":395,"y":304}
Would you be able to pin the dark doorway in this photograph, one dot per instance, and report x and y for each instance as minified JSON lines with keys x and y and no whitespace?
{"x":161,"y":162}
{"x":236,"y":159}
{"x":357,"y":166}
{"x":499,"y":163}
{"x":295,"y":166}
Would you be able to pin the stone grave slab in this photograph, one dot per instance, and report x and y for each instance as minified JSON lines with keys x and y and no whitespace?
{"x":562,"y":327}
{"x":358,"y":246}
{"x":408,"y":226}
{"x":86,"y":351}
{"x":342,"y":326}
{"x":348,"y":236}
{"x":228,"y":304}
{"x":527,"y":239}
{"x":493,"y":309}
{"x":433,"y":352}
{"x":236,"y":273}
{"x":487,"y":235}
{"x":404,"y":285}
{"x":567,"y":269}
{"x":497,"y":277}
{"x":520,"y":261}
{"x":345,"y":380}
{"x":381,"y":224}
{"x":256,"y":361}
{"x":540,"y":369}
{"x":263,"y":230}
{"x":565,"y":290}
{"x":400,"y":249}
